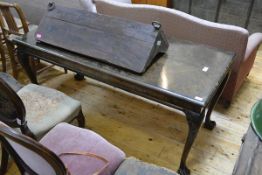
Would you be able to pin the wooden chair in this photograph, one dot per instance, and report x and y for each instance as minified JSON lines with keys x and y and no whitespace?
{"x":13,"y":26}
{"x":85,"y":154}
{"x":36,"y":109}
{"x":2,"y":53}
{"x":3,"y":42}
{"x":9,"y":26}
{"x":11,"y":141}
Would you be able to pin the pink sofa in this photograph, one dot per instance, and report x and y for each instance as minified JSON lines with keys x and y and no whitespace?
{"x":183,"y":26}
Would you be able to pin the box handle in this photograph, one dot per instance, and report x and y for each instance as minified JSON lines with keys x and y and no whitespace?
{"x":156,"y":25}
{"x":51,"y":6}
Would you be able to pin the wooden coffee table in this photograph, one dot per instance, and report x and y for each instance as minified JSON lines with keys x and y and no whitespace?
{"x":189,"y":77}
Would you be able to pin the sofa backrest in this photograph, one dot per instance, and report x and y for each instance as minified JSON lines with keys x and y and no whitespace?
{"x":35,"y":9}
{"x":182,"y":26}
{"x":90,"y":6}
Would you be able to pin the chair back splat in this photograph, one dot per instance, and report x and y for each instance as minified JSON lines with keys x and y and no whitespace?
{"x":12,"y":22}
{"x":12,"y":109}
{"x":30,"y":157}
{"x":9,"y":24}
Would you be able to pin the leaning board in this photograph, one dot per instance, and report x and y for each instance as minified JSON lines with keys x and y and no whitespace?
{"x":127,"y":44}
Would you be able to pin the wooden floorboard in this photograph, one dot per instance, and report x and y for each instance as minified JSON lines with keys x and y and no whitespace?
{"x":155,"y":133}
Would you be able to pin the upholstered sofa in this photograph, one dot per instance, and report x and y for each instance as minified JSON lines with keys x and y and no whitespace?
{"x":183,"y":26}
{"x":90,"y":6}
{"x":35,"y":9}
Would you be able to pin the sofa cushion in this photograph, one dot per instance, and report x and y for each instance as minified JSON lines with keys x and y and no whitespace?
{"x":133,"y":166}
{"x":65,"y":138}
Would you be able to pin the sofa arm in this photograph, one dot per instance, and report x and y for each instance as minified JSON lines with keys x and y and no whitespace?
{"x":253,"y":43}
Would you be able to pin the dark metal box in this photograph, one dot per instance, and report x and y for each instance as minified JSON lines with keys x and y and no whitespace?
{"x":124,"y":43}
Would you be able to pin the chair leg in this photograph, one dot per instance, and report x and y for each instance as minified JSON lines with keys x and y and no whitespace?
{"x":10,"y":48}
{"x":4,"y":160}
{"x":81,"y":119}
{"x":26,"y":131}
{"x":2,"y":53}
{"x":33,"y":64}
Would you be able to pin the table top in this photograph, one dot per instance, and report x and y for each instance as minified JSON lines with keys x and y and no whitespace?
{"x":188,"y":72}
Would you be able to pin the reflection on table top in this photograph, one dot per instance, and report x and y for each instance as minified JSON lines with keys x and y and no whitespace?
{"x":190,"y":70}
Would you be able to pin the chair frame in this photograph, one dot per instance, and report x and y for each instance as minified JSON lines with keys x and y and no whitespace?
{"x":14,"y":100}
{"x":2,"y":52}
{"x":50,"y":157}
{"x":11,"y":28}
{"x":11,"y":22}
{"x":21,"y":112}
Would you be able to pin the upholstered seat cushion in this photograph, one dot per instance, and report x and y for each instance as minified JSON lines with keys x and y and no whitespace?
{"x":68,"y":138}
{"x":46,"y":107}
{"x":133,"y":166}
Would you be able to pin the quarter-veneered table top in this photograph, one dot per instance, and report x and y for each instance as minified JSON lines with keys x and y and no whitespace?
{"x":188,"y":71}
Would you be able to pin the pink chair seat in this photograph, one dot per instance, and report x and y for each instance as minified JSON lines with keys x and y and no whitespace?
{"x":65,"y":138}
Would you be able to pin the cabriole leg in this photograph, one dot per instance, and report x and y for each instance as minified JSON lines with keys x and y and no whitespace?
{"x":194,"y":121}
{"x":24,"y":61}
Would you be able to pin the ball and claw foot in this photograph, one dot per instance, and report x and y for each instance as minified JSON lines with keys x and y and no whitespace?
{"x":210,"y":125}
{"x":183,"y":170}
{"x":79,"y":77}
